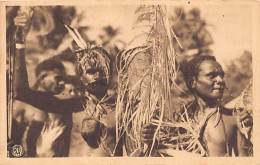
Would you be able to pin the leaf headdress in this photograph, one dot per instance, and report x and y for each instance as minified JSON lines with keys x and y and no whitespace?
{"x":88,"y":56}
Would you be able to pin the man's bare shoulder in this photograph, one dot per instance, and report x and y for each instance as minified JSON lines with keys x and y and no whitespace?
{"x":228,"y":116}
{"x":226,"y":111}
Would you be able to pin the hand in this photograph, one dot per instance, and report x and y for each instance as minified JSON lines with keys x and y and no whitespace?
{"x":245,"y":117}
{"x":244,"y":121}
{"x":147,"y":133}
{"x":23,"y":22}
{"x":49,"y":136}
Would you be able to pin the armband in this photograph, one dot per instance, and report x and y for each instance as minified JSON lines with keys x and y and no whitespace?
{"x":19,"y":46}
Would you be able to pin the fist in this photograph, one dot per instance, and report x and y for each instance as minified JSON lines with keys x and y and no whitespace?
{"x":147,"y":133}
{"x":23,"y":22}
{"x":243,"y":116}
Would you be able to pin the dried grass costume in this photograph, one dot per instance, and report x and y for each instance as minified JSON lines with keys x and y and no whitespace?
{"x":98,"y":117}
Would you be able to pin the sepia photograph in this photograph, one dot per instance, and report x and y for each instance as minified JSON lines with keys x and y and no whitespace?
{"x":139,"y":79}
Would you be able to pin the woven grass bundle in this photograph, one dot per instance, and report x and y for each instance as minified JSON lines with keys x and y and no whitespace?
{"x":246,"y":98}
{"x":245,"y":101}
{"x":145,"y":76}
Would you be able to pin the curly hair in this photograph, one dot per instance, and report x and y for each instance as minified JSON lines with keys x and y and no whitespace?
{"x":191,"y":69}
{"x":48,"y":65}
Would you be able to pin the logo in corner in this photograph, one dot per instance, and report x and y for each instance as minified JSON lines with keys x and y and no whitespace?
{"x":17,"y":150}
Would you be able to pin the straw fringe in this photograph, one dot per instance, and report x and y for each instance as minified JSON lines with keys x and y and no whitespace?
{"x":145,"y":76}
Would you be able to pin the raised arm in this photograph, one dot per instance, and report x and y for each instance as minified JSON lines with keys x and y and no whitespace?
{"x":23,"y":24}
{"x":41,"y":100}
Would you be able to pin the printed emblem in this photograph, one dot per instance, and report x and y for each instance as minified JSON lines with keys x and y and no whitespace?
{"x":17,"y":150}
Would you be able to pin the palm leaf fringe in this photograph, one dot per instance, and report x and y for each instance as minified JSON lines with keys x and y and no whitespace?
{"x":145,"y":77}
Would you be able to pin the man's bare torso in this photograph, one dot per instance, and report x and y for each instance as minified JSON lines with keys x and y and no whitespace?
{"x":220,"y":134}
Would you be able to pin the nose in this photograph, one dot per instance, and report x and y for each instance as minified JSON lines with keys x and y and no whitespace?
{"x":220,"y":80}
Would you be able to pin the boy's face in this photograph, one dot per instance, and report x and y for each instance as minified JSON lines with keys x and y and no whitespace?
{"x":210,"y":84}
{"x":52,"y":81}
{"x":94,"y":79}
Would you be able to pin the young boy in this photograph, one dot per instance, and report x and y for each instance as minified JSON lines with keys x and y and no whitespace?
{"x":95,"y":107}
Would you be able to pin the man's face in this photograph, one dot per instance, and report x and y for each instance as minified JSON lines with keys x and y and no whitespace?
{"x":52,"y":81}
{"x":94,"y":79}
{"x":209,"y":84}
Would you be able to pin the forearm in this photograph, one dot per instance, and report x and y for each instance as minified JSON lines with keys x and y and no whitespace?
{"x":21,"y":85}
{"x":243,"y":145}
{"x":23,"y":24}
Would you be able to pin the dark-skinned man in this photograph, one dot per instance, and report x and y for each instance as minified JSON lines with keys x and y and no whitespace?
{"x":221,"y":130}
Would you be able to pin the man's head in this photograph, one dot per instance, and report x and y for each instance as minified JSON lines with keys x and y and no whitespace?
{"x":94,"y":66}
{"x":50,"y":75}
{"x":204,"y":77}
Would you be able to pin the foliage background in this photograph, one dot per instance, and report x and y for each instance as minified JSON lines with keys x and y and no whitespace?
{"x":200,"y":30}
{"x":197,"y":32}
